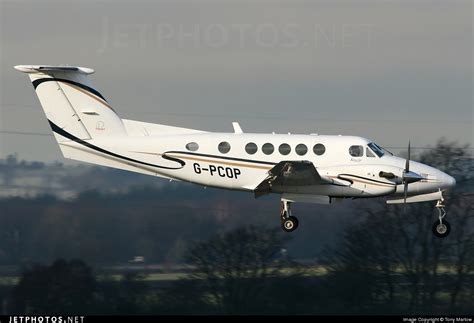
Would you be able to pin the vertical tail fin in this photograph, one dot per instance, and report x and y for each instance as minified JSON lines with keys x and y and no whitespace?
{"x":71,"y":103}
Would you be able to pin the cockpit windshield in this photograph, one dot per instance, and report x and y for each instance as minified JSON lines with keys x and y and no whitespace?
{"x":376,"y":149}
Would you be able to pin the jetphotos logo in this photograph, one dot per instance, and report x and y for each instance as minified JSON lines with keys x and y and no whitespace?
{"x":46,"y":319}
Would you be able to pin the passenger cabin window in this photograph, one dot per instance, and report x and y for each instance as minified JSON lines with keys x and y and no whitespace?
{"x":224,"y":147}
{"x":284,"y":149}
{"x":301,"y":149}
{"x":319,"y":149}
{"x":356,"y":151}
{"x":268,"y":149}
{"x":369,"y":153}
{"x":251,"y":148}
{"x":192,"y":146}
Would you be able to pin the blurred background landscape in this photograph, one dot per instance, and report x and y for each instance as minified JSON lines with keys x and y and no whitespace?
{"x":86,"y":239}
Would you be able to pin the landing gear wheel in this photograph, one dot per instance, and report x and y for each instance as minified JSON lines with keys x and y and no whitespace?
{"x":441,"y":229}
{"x":289,"y":224}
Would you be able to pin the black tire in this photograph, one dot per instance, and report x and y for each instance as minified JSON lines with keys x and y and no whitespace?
{"x":289,"y":224}
{"x":441,"y":230}
{"x":295,"y":220}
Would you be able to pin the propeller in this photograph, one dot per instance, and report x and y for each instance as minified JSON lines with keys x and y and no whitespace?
{"x":408,"y":176}
{"x":405,"y":172}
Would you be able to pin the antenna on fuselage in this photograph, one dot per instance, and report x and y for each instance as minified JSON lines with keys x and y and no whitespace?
{"x":237,"y":128}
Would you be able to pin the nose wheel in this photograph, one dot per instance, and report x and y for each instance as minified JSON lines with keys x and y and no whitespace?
{"x":441,"y":227}
{"x":289,"y":223}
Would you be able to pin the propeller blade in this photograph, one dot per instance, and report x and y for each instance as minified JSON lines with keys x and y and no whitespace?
{"x":405,"y":192}
{"x":407,"y":164}
{"x":408,"y":177}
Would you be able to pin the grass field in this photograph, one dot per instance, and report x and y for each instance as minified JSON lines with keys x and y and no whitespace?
{"x":116,"y":274}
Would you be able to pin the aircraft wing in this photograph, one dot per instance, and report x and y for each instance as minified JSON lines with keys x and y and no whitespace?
{"x":294,"y":173}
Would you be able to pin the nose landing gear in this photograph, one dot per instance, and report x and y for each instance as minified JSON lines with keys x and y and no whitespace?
{"x":441,"y":228}
{"x":289,"y":223}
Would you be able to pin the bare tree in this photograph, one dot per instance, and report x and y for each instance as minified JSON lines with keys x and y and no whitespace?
{"x":396,"y":249}
{"x":65,"y":287}
{"x":462,"y":249}
{"x":234,"y":267}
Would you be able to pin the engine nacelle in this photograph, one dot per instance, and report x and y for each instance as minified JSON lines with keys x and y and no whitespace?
{"x":369,"y":180}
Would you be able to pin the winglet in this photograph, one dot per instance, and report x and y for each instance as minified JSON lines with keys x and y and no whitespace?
{"x":237,"y":128}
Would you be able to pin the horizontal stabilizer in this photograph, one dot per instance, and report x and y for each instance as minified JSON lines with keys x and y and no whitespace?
{"x":143,"y":129}
{"x":51,"y":69}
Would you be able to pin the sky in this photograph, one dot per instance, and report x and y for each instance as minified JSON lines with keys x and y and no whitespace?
{"x":391,"y":71}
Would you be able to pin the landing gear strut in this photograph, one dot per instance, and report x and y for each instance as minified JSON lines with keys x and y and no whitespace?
{"x":289,"y":223}
{"x":441,"y":228}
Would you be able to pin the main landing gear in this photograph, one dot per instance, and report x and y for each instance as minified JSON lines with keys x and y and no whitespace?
{"x":289,"y":223}
{"x":441,"y":228}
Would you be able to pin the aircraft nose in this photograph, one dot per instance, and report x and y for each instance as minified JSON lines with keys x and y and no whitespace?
{"x":436,"y":179}
{"x":445,"y":180}
{"x":449,"y":181}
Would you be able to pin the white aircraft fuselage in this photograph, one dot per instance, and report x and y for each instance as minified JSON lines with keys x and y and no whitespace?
{"x":240,"y":170}
{"x":302,"y":168}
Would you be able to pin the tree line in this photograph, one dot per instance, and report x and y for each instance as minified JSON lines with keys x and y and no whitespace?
{"x":384,"y":260}
{"x":243,"y":271}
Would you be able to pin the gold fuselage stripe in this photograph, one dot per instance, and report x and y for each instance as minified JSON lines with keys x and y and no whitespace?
{"x":267,"y":168}
{"x":365,"y":181}
{"x":221,"y":162}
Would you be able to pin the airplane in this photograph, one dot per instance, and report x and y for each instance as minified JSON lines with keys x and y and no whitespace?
{"x":301,"y":168}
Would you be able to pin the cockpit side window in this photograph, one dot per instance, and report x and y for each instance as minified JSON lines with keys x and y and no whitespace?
{"x":369,"y":152}
{"x":376,"y":149}
{"x":356,"y":151}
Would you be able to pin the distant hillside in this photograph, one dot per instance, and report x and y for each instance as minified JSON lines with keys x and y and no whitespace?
{"x":31,"y":178}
